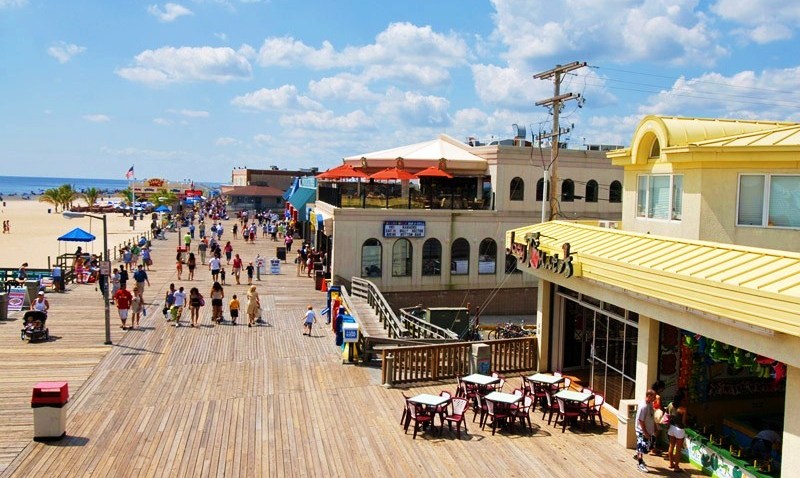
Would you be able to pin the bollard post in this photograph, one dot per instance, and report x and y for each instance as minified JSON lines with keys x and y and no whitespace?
{"x":389,"y":378}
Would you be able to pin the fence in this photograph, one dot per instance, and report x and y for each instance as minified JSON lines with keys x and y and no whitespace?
{"x":424,"y":363}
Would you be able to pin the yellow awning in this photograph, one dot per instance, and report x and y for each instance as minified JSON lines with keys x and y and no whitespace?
{"x":759,"y":287}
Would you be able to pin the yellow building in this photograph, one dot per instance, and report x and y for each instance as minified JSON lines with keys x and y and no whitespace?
{"x":672,"y":297}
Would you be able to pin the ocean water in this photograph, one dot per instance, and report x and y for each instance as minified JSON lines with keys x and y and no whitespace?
{"x":18,"y":185}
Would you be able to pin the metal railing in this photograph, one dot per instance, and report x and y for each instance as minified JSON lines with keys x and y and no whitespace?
{"x":390,"y":196}
{"x":420,"y":328}
{"x":368,"y":291}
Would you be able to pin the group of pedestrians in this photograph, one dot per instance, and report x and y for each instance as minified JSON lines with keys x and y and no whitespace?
{"x":652,"y":419}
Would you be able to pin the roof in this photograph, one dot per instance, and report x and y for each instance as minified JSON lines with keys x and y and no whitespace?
{"x":300,"y":198}
{"x":253,"y":191}
{"x":757,"y":287}
{"x":783,"y":136}
{"x":417,"y":156}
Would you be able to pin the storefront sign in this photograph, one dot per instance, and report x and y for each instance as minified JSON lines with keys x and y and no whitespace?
{"x":536,"y":258}
{"x":16,"y":298}
{"x":403,"y":228}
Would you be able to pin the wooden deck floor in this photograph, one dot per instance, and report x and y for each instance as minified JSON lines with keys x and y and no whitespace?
{"x":239,"y":401}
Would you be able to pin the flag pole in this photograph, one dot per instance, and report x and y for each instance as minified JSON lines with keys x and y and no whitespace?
{"x":133,"y":200}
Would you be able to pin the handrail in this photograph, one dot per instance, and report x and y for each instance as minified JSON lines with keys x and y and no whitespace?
{"x":365,"y":289}
{"x":420,"y":328}
{"x":424,"y":363}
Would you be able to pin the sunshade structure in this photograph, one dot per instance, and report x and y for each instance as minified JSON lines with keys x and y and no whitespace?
{"x":395,"y":173}
{"x":162,"y":208}
{"x":345,"y":171}
{"x":77,"y":235}
{"x":434,"y":172}
{"x":460,"y":160}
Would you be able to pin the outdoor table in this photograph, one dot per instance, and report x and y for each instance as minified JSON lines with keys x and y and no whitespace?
{"x":573,"y":396}
{"x":545,"y":378}
{"x":430,"y":401}
{"x":504,"y":398}
{"x":482,"y":381}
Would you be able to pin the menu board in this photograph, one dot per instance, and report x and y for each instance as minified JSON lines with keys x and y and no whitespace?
{"x":403,"y":228}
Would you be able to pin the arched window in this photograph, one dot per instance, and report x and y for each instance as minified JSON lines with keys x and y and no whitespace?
{"x":401,"y":258}
{"x":517,"y":192}
{"x":487,"y":256}
{"x":539,"y":189}
{"x":432,"y":258}
{"x":371,"y":253}
{"x":567,"y":191}
{"x":591,"y":191}
{"x":459,"y":257}
{"x":615,"y":192}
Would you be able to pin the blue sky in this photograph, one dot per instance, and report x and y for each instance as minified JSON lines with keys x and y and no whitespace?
{"x":194,"y":88}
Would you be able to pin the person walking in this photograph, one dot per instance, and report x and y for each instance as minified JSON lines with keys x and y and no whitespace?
{"x":676,"y":411}
{"x":187,"y":241}
{"x":191,"y":263}
{"x":288,"y":240}
{"x":123,"y":300}
{"x":140,"y":276}
{"x":115,"y":282}
{"x":202,"y":248}
{"x":237,"y":268}
{"x":250,"y":269}
{"x":40,"y":303}
{"x":309,"y":320}
{"x":645,"y":429}
{"x":179,"y":264}
{"x":214,"y":266}
{"x":176,"y":311}
{"x":253,"y":306}
{"x":147,"y":261}
{"x":234,"y":305}
{"x":195,"y":302}
{"x":228,"y":249}
{"x":169,"y":301}
{"x":217,"y":293}
{"x":123,"y":276}
{"x":137,"y":306}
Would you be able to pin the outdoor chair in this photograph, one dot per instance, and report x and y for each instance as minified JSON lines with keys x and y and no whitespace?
{"x":595,"y":410}
{"x":539,"y":396}
{"x":523,"y":412}
{"x":441,"y":410}
{"x":419,"y":415}
{"x":549,"y":406}
{"x":405,"y":409}
{"x":496,"y":413}
{"x":479,"y":407}
{"x":459,"y":409}
{"x":567,"y":413}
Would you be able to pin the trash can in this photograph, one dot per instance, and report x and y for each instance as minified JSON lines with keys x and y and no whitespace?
{"x":319,"y":276}
{"x":280,"y":253}
{"x":131,"y":222}
{"x":3,"y":305}
{"x":480,"y":360}
{"x":48,"y":401}
{"x":31,"y":289}
{"x":626,"y":426}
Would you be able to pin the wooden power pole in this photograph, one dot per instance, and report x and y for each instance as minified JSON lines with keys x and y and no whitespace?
{"x":557,"y":74}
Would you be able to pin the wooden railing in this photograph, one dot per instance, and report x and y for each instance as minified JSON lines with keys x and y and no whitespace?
{"x":424,"y":363}
{"x":421,"y":329}
{"x":366,"y":290}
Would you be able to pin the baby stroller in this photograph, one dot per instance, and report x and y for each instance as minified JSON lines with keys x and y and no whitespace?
{"x":34,"y":326}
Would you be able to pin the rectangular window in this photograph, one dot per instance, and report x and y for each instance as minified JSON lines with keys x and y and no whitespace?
{"x":660,"y":197}
{"x":769,"y":200}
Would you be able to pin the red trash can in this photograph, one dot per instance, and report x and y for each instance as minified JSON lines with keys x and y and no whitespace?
{"x":49,"y":400}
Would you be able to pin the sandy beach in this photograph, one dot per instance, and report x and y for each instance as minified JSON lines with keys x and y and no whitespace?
{"x":34,"y":233}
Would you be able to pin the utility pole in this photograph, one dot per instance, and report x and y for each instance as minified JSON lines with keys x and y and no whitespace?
{"x":557,"y":74}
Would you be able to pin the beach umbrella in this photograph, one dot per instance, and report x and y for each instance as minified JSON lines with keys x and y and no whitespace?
{"x":433,"y":172}
{"x":77,"y":235}
{"x":162,"y":208}
{"x":389,"y":174}
{"x":345,"y":171}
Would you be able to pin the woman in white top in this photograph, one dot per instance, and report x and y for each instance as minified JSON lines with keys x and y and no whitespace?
{"x":40,"y":303}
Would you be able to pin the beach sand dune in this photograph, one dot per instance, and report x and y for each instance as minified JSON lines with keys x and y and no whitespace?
{"x":34,"y":233}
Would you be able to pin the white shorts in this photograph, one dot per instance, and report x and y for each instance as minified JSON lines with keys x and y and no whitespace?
{"x":123,"y":313}
{"x":676,"y":432}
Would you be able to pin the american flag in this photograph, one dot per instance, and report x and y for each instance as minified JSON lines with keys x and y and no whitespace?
{"x":129,"y":174}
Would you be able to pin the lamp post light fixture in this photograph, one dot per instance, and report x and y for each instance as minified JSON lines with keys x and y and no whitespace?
{"x":103,"y":277}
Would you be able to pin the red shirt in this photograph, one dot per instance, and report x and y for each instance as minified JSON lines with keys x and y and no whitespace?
{"x":123,"y":299}
{"x":237,"y":262}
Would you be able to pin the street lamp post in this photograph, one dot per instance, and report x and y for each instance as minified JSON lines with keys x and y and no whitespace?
{"x":103,"y":277}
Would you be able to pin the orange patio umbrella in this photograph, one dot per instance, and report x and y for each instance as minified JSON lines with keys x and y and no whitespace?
{"x":433,"y":172}
{"x":345,"y":171}
{"x":393,"y":173}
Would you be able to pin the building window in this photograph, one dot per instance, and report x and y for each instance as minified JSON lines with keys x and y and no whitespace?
{"x":371,"y":252}
{"x":401,"y":258}
{"x":539,"y":189}
{"x":769,"y":200}
{"x":432,"y":258}
{"x":655,"y":149}
{"x":659,"y":196}
{"x":459,"y":257}
{"x":615,"y":192}
{"x":567,"y":191}
{"x":591,"y":191}
{"x":517,"y":192}
{"x":487,"y":256}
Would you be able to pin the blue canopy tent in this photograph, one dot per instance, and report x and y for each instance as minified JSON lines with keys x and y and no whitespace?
{"x":162,"y":208}
{"x":77,"y":235}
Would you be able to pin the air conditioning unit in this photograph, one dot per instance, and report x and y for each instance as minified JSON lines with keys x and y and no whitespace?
{"x":608,"y":224}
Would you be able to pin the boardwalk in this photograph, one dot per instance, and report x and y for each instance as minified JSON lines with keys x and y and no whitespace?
{"x":239,"y":401}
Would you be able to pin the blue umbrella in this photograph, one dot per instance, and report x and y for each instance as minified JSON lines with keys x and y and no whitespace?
{"x":77,"y":235}
{"x":162,"y":208}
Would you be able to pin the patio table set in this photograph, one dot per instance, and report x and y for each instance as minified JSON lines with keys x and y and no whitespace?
{"x":484,"y":396}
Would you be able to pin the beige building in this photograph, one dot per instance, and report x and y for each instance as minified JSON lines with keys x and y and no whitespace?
{"x":441,"y":237}
{"x":672,"y":298}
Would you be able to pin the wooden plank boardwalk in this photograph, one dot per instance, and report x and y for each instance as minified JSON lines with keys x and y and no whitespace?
{"x":251,"y":402}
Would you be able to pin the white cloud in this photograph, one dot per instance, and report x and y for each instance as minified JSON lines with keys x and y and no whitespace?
{"x":187,"y":64}
{"x":63,"y":52}
{"x":12,"y":3}
{"x":508,"y":87}
{"x":143,"y":153}
{"x":226,"y":141}
{"x":675,"y":32}
{"x":191,"y":113}
{"x":764,"y":21}
{"x":222,"y":36}
{"x":345,"y":86}
{"x":326,"y":120}
{"x":97,"y":118}
{"x":162,"y":121}
{"x":414,"y":109}
{"x":170,"y":12}
{"x":402,"y":51}
{"x":283,"y":98}
{"x":261,"y":139}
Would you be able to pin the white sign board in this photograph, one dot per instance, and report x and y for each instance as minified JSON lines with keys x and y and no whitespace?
{"x":403,"y":228}
{"x":275,"y":266}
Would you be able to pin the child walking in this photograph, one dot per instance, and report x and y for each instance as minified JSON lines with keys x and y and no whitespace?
{"x":309,"y":320}
{"x":233,"y":305}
